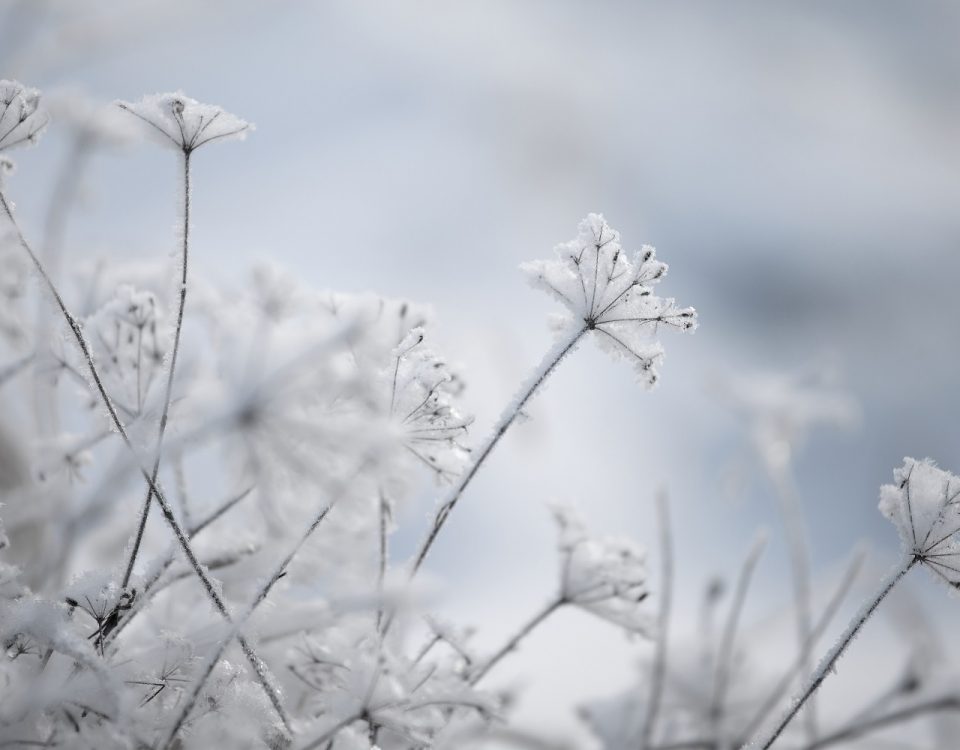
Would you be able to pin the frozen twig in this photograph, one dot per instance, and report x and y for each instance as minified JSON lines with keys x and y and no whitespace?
{"x":830,"y":659}
{"x":798,"y":667}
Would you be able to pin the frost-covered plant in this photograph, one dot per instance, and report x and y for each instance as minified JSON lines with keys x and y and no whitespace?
{"x":277,"y":447}
{"x":314,"y":413}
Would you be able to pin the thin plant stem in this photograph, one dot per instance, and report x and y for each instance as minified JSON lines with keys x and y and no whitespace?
{"x":150,"y":584}
{"x":63,"y":198}
{"x":659,"y":672}
{"x":798,"y":545}
{"x":833,"y":655}
{"x":384,"y":509}
{"x":728,"y":641}
{"x":907,"y":713}
{"x":168,"y":393}
{"x":515,"y":639}
{"x":235,"y":627}
{"x":208,"y":584}
{"x":803,"y":658}
{"x":540,"y":375}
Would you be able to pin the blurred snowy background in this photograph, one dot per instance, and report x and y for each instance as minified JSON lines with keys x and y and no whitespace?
{"x":797,"y":165}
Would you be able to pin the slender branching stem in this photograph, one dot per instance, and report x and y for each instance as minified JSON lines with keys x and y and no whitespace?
{"x":795,"y":529}
{"x":907,"y":713}
{"x":659,"y":672}
{"x":727,"y":648}
{"x":237,"y":625}
{"x":775,"y":695}
{"x":168,"y":392}
{"x":830,"y":659}
{"x":515,"y":639}
{"x":208,"y":584}
{"x":540,"y":375}
{"x":150,"y":585}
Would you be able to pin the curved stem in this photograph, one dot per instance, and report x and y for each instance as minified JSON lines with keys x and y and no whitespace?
{"x":539,"y":376}
{"x":514,"y":641}
{"x":273,"y":693}
{"x":168,"y":393}
{"x":833,"y":655}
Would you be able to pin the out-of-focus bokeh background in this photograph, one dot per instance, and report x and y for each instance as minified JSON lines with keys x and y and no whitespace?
{"x":797,"y":165}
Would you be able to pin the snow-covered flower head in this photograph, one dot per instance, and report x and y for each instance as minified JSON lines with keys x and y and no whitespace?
{"x":612,"y":294}
{"x":185,"y":122}
{"x":421,"y":387}
{"x":603,"y":575}
{"x":21,"y":118}
{"x":924,"y":505}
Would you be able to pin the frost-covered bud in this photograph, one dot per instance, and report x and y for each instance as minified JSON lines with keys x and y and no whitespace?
{"x":603,"y":575}
{"x":21,"y":118}
{"x":185,"y":122}
{"x":924,"y":505}
{"x":612,"y":295}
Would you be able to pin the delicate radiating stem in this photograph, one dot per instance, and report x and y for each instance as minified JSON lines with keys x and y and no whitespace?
{"x":659,"y":672}
{"x":168,"y":392}
{"x":537,"y":379}
{"x":208,"y":584}
{"x":833,"y":655}
{"x":515,"y":639}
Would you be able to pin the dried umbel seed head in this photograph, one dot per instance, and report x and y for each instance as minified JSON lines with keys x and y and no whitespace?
{"x":185,"y":122}
{"x":21,"y":118}
{"x":924,"y":505}
{"x":612,"y":295}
